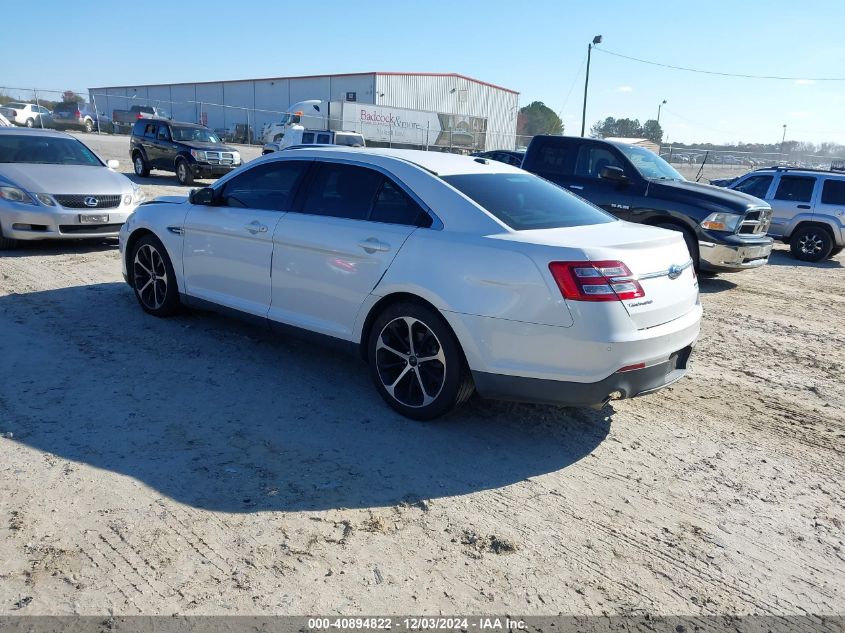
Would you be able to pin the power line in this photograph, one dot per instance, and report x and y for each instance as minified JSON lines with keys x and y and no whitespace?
{"x":713,"y":72}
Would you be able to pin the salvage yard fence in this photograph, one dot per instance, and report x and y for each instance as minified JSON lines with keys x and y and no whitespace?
{"x":247,"y":125}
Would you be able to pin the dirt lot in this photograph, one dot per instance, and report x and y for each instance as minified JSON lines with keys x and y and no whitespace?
{"x":198,"y":465}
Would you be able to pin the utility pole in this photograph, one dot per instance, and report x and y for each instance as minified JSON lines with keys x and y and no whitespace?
{"x":782,"y":141}
{"x":596,"y":40}
{"x":660,"y":105}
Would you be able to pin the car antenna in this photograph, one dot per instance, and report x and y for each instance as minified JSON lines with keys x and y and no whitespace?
{"x":701,"y":169}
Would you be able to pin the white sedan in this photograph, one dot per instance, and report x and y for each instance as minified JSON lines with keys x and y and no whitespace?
{"x":449,"y":274}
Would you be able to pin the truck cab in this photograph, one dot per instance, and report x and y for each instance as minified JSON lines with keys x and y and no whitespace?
{"x":725,"y":231}
{"x":306,"y":123}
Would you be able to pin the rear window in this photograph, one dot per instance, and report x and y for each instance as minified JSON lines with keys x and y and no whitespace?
{"x":525,"y":202}
{"x":66,"y":107}
{"x":833,"y":192}
{"x":15,"y":106}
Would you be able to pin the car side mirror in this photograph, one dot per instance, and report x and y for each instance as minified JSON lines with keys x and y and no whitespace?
{"x":112,"y":164}
{"x":204,"y":196}
{"x":615,"y":174}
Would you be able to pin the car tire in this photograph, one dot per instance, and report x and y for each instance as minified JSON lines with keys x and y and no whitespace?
{"x":689,"y":238}
{"x":30,"y":123}
{"x":836,"y":250}
{"x":140,"y":165}
{"x":153,"y":278}
{"x":810,"y":243}
{"x":183,"y":173}
{"x":7,"y":243}
{"x":89,"y":125}
{"x":416,"y":363}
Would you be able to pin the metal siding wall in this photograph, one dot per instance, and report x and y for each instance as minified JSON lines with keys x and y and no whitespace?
{"x":242,"y":95}
{"x":273,"y":96}
{"x":208,"y":94}
{"x":310,"y":88}
{"x":182,"y":109}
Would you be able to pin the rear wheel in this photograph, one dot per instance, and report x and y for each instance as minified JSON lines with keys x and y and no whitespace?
{"x":416,"y":362}
{"x":811,"y":244}
{"x":30,"y":123}
{"x":141,"y":167}
{"x":184,"y":174}
{"x":153,"y":279}
{"x":89,"y":125}
{"x":689,"y":238}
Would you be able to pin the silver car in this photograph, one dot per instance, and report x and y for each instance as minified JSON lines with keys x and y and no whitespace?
{"x":52,"y":186}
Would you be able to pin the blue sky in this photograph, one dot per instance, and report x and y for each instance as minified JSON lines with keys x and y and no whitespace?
{"x":536,"y":47}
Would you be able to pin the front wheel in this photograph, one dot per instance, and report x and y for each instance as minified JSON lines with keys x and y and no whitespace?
{"x":7,"y":243}
{"x":141,"y":167}
{"x":30,"y":123}
{"x":810,"y":244}
{"x":689,"y":239}
{"x":153,"y":279}
{"x":416,"y":362}
{"x":184,"y":174}
{"x":89,"y":125}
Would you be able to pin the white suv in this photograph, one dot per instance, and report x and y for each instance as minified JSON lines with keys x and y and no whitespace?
{"x":808,"y":208}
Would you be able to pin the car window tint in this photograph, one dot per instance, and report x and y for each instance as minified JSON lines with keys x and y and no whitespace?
{"x":591,"y":160}
{"x":524,"y":201}
{"x":163,"y":133}
{"x":755,"y":186}
{"x":551,"y":159}
{"x":342,"y":191}
{"x":393,"y":206}
{"x":150,"y":130}
{"x":307,"y":138}
{"x":795,"y":189}
{"x":267,"y":186}
{"x":833,"y":192}
{"x":324,"y":139}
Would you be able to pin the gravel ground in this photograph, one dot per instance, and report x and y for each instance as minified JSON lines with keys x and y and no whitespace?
{"x":198,"y":465}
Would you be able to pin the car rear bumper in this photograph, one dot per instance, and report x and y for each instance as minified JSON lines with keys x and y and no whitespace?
{"x":622,"y":384}
{"x":734,"y":256}
{"x":63,"y":224}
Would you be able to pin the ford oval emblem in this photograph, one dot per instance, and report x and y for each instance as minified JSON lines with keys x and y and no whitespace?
{"x":90,"y":201}
{"x":675,"y":271}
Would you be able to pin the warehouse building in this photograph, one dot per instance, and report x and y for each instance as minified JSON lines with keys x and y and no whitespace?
{"x":436,"y":110}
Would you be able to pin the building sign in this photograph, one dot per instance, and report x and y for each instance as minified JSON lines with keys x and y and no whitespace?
{"x":385,"y":124}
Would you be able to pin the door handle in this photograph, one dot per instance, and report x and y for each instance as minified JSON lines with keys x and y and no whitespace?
{"x":371,"y":245}
{"x":803,"y":206}
{"x":579,"y":187}
{"x":256,"y":227}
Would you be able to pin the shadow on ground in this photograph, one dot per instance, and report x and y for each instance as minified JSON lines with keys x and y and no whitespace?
{"x":785,"y":258}
{"x":223,"y":416}
{"x":709,"y":284}
{"x":26,"y":248}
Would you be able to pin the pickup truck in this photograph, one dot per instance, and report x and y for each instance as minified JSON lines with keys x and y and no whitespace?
{"x":123,"y":120}
{"x":725,"y":230}
{"x":191,"y":150}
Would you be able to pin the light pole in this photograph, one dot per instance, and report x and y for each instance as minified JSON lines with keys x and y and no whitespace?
{"x":596,"y":40}
{"x":660,"y":105}
{"x":782,"y":141}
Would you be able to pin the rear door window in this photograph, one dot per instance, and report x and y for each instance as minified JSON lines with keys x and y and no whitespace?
{"x":342,"y":191}
{"x":150,"y":130}
{"x":268,"y":186}
{"x":757,"y":186}
{"x":795,"y":188}
{"x":833,"y":192}
{"x":393,"y":206}
{"x":553,"y":158}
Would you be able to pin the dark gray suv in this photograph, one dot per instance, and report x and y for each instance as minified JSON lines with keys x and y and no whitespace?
{"x":80,"y":116}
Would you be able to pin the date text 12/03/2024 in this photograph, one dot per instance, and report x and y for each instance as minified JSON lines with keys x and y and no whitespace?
{"x":418,"y":623}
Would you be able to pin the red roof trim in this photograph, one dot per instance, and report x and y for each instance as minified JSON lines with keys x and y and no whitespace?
{"x":205,"y":83}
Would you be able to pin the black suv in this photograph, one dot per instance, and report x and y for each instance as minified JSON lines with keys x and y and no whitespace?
{"x":190,"y":150}
{"x":724,"y":230}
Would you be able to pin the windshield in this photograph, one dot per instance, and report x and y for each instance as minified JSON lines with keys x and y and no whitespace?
{"x":45,"y":150}
{"x":649,"y":164}
{"x":199,"y":134}
{"x":524,"y":201}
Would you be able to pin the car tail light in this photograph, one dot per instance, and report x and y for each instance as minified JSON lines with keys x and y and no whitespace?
{"x":633,"y":367}
{"x":596,"y":281}
{"x":78,"y":114}
{"x":139,"y":116}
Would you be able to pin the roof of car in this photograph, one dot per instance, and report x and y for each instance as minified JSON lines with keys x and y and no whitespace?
{"x":182,"y":123}
{"x":806,"y":170}
{"x":33,"y":132}
{"x":439,"y":163}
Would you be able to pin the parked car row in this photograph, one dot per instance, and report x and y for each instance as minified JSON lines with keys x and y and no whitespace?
{"x":68,"y":115}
